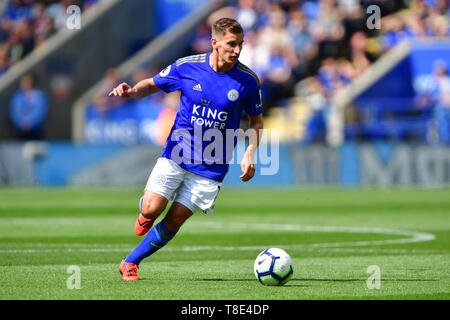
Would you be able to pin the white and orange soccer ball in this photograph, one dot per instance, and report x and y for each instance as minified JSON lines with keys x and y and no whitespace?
{"x":273,"y":267}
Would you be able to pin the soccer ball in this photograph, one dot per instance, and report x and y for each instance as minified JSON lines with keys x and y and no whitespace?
{"x":273,"y":267}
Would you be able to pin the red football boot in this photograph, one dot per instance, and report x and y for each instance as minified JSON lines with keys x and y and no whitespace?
{"x":142,"y":225}
{"x":128,"y":271}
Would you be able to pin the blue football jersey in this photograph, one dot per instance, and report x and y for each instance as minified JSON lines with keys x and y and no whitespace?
{"x":211,"y":105}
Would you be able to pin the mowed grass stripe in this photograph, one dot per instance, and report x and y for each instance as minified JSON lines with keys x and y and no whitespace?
{"x":195,"y":279}
{"x":59,"y":218}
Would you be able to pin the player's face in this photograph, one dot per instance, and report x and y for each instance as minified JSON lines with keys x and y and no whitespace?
{"x":229,"y":47}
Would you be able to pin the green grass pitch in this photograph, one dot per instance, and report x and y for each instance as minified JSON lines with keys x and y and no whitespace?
{"x":332,"y":235}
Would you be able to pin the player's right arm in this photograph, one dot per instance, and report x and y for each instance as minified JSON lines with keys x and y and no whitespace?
{"x":142,"y":89}
{"x":167,"y":80}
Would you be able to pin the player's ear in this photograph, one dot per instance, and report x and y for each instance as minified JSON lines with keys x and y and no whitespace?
{"x":213,"y":42}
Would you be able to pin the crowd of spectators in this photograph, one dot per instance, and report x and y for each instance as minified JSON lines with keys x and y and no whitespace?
{"x":287,"y":41}
{"x":26,"y":24}
{"x":312,"y":49}
{"x":303,"y":48}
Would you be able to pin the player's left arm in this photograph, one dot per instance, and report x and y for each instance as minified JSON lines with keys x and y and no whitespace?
{"x":247,"y":164}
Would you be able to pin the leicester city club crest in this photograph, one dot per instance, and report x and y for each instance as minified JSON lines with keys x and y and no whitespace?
{"x":233,"y":95}
{"x":161,"y":180}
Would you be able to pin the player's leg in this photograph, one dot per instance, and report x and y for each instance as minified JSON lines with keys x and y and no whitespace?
{"x":157,"y":238}
{"x":177,"y":216}
{"x":194,"y":193}
{"x":164,"y":179}
{"x":151,"y":205}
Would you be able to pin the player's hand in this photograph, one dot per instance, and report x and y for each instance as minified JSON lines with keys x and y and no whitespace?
{"x":248,"y":170}
{"x":123,"y":90}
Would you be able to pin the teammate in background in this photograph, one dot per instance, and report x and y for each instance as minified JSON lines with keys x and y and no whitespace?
{"x":215,"y":89}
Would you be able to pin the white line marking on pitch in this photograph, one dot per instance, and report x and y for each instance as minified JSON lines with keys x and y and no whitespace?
{"x":411,"y":237}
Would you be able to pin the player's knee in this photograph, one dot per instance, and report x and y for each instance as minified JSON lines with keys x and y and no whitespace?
{"x":151,"y":209}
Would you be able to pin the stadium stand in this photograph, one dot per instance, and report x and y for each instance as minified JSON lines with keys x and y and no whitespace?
{"x":26,"y":24}
{"x":308,"y":55}
{"x":61,"y":60}
{"x":304,"y":52}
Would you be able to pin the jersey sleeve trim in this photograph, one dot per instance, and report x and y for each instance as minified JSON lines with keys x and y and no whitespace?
{"x":194,"y":58}
{"x":248,"y":71}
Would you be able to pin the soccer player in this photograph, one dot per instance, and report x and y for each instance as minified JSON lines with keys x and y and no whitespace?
{"x":215,"y":89}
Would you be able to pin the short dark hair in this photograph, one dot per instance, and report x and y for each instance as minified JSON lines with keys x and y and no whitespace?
{"x":224,"y":25}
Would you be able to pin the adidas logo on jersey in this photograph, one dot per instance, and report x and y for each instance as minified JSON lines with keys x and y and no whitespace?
{"x":198,"y":87}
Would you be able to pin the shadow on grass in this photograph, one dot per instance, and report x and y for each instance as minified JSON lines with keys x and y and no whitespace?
{"x":325,"y":280}
{"x":296,"y":282}
{"x":249,"y":280}
{"x":358,"y":280}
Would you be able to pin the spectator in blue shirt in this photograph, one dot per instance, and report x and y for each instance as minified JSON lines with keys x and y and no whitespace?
{"x":28,"y":109}
{"x":441,"y":110}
